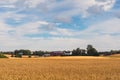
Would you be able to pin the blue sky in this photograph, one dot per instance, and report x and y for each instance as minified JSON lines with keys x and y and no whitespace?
{"x":59,"y":24}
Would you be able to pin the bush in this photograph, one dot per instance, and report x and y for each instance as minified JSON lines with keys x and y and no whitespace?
{"x":18,"y":55}
{"x":3,"y":56}
{"x":29,"y":56}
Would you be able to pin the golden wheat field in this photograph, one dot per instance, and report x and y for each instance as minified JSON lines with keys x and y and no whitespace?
{"x":60,"y":68}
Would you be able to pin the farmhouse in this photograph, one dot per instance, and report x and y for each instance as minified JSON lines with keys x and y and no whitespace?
{"x":46,"y":55}
{"x":67,"y":53}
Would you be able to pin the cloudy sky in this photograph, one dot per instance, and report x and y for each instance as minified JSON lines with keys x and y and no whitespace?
{"x":59,"y":24}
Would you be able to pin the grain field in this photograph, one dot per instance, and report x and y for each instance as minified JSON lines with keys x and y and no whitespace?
{"x":60,"y":69}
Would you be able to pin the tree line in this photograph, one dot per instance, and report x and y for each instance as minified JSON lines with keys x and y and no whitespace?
{"x":89,"y":51}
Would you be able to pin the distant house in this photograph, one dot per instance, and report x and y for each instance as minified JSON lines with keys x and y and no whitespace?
{"x":46,"y":55}
{"x":20,"y":53}
{"x":56,"y":53}
{"x":67,"y":53}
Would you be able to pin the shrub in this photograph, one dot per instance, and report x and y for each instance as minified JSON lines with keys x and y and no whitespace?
{"x":3,"y":56}
{"x":29,"y":56}
{"x":18,"y":55}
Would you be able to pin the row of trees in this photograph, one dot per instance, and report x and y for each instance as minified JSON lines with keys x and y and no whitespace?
{"x":91,"y":51}
{"x":2,"y":55}
{"x":19,"y":53}
{"x":40,"y":53}
{"x":107,"y":53}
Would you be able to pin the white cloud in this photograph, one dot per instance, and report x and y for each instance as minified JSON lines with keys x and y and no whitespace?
{"x":11,"y":15}
{"x":35,"y":3}
{"x":7,"y":1}
{"x":100,"y":41}
{"x":101,"y":6}
{"x":30,"y":28}
{"x":59,"y":10}
{"x":101,"y":35}
{"x":104,"y":35}
{"x":107,"y":4}
{"x":4,"y":28}
{"x":117,"y":13}
{"x":95,"y":9}
{"x":42,"y":44}
{"x":7,"y":6}
{"x":110,"y":26}
{"x":16,"y":40}
{"x":70,"y":8}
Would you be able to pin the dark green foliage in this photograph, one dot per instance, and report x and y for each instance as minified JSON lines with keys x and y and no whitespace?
{"x":24,"y":52}
{"x":12,"y":54}
{"x":40,"y":53}
{"x":29,"y":56}
{"x":7,"y":52}
{"x":19,"y":53}
{"x":3,"y":56}
{"x":92,"y":51}
{"x":78,"y":52}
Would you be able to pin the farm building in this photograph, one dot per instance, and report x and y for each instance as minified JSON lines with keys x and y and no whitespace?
{"x":46,"y":55}
{"x":61,"y":53}
{"x":56,"y":53}
{"x":67,"y":53}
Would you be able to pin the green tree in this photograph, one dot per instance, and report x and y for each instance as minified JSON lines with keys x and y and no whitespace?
{"x":40,"y":53}
{"x":2,"y":55}
{"x":76,"y":52}
{"x":92,"y":51}
{"x":19,"y":53}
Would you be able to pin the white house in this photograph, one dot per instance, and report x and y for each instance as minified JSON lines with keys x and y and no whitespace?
{"x":67,"y":53}
{"x":46,"y":55}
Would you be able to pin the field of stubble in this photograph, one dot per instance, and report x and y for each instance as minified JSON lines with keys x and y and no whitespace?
{"x":60,"y":69}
